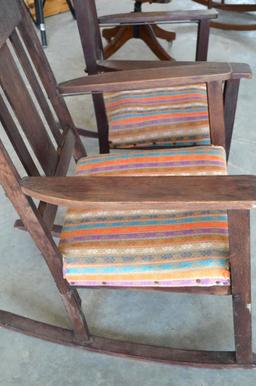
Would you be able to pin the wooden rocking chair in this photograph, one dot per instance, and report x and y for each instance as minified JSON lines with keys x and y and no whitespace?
{"x":143,"y":182}
{"x":88,"y":25}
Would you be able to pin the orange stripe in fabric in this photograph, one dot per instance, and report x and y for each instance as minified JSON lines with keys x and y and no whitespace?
{"x":160,"y":159}
{"x":142,"y":229}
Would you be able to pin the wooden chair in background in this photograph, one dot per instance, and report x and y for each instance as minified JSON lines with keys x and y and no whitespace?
{"x":238,"y":6}
{"x":144,"y":182}
{"x":118,"y":36}
{"x":88,"y":25}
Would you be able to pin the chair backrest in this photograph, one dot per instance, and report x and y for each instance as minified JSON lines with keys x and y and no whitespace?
{"x":110,"y":130}
{"x":32,"y":113}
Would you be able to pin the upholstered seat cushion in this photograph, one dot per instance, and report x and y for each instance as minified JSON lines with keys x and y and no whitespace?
{"x":148,"y":248}
{"x":175,"y":116}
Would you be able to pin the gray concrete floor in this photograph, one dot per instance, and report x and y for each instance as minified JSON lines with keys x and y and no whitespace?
{"x":180,"y":320}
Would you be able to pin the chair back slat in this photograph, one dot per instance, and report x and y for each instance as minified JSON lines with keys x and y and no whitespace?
{"x":26,"y":112}
{"x":17,"y":140}
{"x":44,"y":71}
{"x":10,"y":17}
{"x":65,"y":153}
{"x":32,"y":112}
{"x":37,"y":89}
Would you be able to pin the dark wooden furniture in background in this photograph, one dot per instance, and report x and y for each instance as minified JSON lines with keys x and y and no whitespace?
{"x":89,"y":29}
{"x":232,"y":7}
{"x":234,"y":193}
{"x":118,"y":36}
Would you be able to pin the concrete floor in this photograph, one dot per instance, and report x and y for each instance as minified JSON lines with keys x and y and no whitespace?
{"x":180,"y":320}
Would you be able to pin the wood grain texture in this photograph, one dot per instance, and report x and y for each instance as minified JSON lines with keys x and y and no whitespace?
{"x":157,"y":17}
{"x":114,"y":347}
{"x":239,"y":239}
{"x":216,"y":113}
{"x":153,"y":78}
{"x":121,"y":65}
{"x":21,"y":101}
{"x":230,"y":102}
{"x":10,"y":17}
{"x":203,"y":33}
{"x":31,"y":76}
{"x":39,"y":232}
{"x":233,"y":7}
{"x":198,"y":192}
{"x":215,"y":192}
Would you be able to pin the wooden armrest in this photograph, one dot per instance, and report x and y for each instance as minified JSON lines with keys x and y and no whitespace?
{"x":199,"y":72}
{"x":157,"y":17}
{"x":121,"y":65}
{"x":162,"y":192}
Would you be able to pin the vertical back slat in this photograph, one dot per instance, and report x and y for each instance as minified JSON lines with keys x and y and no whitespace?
{"x":10,"y":17}
{"x":49,"y":211}
{"x":25,"y":110}
{"x":46,"y":75}
{"x":30,"y":74}
{"x":17,"y":140}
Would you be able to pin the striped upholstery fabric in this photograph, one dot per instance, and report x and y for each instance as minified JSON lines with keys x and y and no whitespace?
{"x":148,"y":247}
{"x":176,"y":116}
{"x":198,"y":160}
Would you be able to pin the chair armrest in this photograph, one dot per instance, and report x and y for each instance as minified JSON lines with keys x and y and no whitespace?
{"x":199,"y":72}
{"x":160,"y":192}
{"x":157,"y":17}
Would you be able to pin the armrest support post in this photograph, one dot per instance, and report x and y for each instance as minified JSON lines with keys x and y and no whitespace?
{"x":203,"y":33}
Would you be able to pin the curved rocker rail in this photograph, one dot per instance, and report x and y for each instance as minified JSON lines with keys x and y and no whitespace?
{"x":234,"y":8}
{"x":166,"y":355}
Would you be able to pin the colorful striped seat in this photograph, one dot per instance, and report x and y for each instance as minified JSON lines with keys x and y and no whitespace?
{"x":153,"y":247}
{"x":176,"y":116}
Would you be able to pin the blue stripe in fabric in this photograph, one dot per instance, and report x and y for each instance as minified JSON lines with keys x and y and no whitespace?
{"x":149,"y":267}
{"x":142,"y":223}
{"x":167,"y":92}
{"x":147,"y":113}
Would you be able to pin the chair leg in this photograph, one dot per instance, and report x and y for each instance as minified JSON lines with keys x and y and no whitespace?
{"x":71,"y":8}
{"x":239,"y":233}
{"x":110,"y":33}
{"x":163,"y":34}
{"x":148,"y":36}
{"x":39,"y":7}
{"x":124,"y":34}
{"x":45,"y":243}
